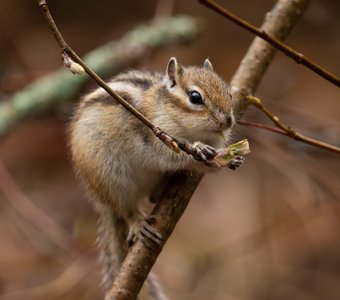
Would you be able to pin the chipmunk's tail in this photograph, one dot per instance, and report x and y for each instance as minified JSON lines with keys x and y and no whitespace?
{"x":112,"y":240}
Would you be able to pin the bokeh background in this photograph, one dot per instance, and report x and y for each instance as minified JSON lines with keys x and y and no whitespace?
{"x":270,"y":230}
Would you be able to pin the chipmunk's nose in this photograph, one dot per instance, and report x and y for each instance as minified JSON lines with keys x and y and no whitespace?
{"x":225,"y":120}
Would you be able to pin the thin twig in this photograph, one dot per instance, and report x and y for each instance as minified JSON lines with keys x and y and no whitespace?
{"x":284,"y":15}
{"x":262,"y":126}
{"x":65,"y":49}
{"x":288,"y":130}
{"x":298,"y":57}
{"x":106,"y":60}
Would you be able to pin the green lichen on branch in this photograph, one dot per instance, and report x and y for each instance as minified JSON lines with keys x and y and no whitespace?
{"x":106,"y":60}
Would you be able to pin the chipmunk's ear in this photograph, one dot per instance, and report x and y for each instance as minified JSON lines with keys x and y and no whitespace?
{"x":174,"y":71}
{"x":208,"y":65}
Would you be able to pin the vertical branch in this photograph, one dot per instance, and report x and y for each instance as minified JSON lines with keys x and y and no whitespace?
{"x":177,"y":194}
{"x":278,"y":23}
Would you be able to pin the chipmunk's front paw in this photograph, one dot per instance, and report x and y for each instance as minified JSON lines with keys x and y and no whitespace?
{"x":204,"y":152}
{"x":236,"y":162}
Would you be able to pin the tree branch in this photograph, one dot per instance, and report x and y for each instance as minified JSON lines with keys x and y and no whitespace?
{"x":70,"y":58}
{"x":106,"y":60}
{"x":298,"y":57}
{"x":165,"y":216}
{"x":178,"y":192}
{"x":262,"y":126}
{"x":278,"y":24}
{"x":290,"y":132}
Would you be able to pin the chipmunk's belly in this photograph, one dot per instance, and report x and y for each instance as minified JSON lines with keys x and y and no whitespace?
{"x":144,"y":178}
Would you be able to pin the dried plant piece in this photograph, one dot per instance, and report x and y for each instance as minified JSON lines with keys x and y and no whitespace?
{"x":69,"y":63}
{"x":232,"y":156}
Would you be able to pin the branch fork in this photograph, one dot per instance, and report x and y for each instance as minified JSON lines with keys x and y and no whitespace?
{"x":288,"y":130}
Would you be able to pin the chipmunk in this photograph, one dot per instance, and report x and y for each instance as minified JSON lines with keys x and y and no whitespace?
{"x":121,"y":161}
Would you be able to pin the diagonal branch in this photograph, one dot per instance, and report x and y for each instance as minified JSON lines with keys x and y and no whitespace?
{"x":165,"y":215}
{"x":178,"y":192}
{"x":106,"y":60}
{"x":262,"y":126}
{"x":278,"y":24}
{"x":288,"y":130}
{"x":78,"y":66}
{"x":251,"y":70}
{"x":298,"y":57}
{"x":68,"y":55}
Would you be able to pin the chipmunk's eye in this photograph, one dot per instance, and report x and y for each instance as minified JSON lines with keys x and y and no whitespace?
{"x":195,"y":98}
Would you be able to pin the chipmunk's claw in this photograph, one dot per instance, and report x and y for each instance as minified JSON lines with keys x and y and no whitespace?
{"x":148,"y":234}
{"x":236,"y":162}
{"x":204,"y":152}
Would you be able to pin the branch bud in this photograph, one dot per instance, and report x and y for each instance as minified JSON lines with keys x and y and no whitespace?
{"x":69,"y":63}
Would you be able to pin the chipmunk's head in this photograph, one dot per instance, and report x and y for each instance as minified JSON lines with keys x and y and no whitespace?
{"x":199,"y":101}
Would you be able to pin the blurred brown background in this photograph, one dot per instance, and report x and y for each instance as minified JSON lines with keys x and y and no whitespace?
{"x":270,"y":230}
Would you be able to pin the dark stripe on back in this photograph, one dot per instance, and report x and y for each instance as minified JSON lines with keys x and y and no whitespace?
{"x":132,"y":101}
{"x":106,"y":99}
{"x":143,"y":83}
